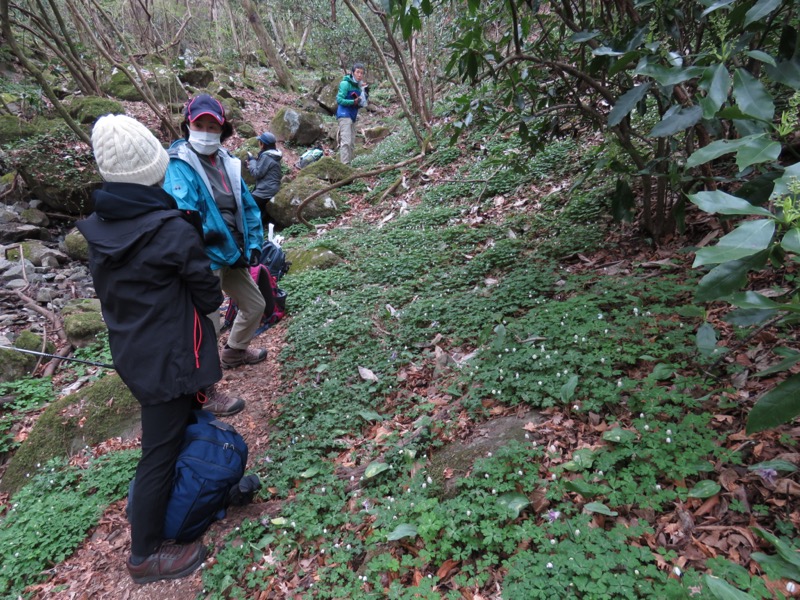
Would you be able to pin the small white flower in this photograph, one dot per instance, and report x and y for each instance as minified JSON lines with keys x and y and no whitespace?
{"x":549,"y":565}
{"x":791,"y":587}
{"x":658,"y":487}
{"x":600,"y":316}
{"x":519,"y":473}
{"x":647,"y":427}
{"x":669,"y":440}
{"x":677,"y":571}
{"x":669,"y":431}
{"x":577,"y":532}
{"x":552,"y":542}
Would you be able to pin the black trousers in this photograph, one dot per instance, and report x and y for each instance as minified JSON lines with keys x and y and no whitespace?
{"x":163,"y":430}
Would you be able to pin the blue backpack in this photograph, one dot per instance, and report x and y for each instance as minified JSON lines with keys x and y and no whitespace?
{"x":208,"y":476}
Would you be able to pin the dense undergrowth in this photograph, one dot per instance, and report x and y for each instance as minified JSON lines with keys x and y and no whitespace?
{"x":444,"y":317}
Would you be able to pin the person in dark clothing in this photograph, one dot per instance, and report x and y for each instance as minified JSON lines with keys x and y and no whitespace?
{"x":266,"y":168}
{"x":155,"y":286}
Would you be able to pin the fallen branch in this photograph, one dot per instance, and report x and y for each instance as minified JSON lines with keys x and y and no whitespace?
{"x":346,"y":180}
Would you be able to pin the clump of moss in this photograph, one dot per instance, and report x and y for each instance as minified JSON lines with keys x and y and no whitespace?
{"x":101,"y":411}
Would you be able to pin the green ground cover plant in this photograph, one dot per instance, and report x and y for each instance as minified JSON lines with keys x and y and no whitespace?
{"x":527,"y":334}
{"x":50,"y":516}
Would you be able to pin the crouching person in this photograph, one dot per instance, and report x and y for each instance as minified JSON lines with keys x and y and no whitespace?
{"x":155,"y":286}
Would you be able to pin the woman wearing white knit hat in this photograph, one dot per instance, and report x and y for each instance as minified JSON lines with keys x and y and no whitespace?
{"x":155,"y":285}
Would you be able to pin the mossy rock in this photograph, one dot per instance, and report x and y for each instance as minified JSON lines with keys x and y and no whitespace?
{"x":245,"y":129}
{"x":104,"y":410}
{"x":13,"y":129}
{"x":283,"y":206}
{"x":34,"y":216}
{"x":212,"y":64}
{"x":197,"y":77}
{"x":15,"y":365}
{"x":298,"y":126}
{"x":119,"y":86}
{"x":38,"y":253}
{"x":87,"y":109}
{"x":76,"y":246}
{"x":83,"y":320}
{"x":63,"y":185}
{"x":319,"y":257}
{"x":328,"y":169}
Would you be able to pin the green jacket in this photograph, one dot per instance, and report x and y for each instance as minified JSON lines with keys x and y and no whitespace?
{"x":347,"y":105}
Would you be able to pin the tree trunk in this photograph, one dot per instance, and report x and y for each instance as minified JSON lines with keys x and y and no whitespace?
{"x":37,"y":74}
{"x":282,"y":72}
{"x":423,"y":142}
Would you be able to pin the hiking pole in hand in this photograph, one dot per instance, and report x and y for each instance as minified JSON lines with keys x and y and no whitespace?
{"x":46,"y":355}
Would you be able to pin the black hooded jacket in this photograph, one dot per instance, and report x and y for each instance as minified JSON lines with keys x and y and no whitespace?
{"x":155,"y":286}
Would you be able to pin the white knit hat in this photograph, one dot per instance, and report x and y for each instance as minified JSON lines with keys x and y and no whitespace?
{"x":127,"y":152}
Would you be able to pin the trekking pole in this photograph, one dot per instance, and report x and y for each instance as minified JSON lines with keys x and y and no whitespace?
{"x":45,"y":354}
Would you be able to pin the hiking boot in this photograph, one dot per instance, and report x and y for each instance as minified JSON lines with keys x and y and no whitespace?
{"x":170,"y":561}
{"x":232,"y":357}
{"x":220,"y":404}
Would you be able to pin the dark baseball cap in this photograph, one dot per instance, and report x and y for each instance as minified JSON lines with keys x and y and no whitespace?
{"x":205,"y":105}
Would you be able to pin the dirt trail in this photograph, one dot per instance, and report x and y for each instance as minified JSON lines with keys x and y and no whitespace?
{"x":97,"y":569}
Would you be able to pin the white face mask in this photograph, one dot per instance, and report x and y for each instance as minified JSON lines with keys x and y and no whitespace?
{"x":204,"y":142}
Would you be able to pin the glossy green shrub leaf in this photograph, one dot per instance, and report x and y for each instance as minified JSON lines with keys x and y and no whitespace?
{"x":582,"y":487}
{"x":706,"y":339}
{"x":704,"y":489}
{"x":753,"y":300}
{"x":791,"y":241}
{"x":725,"y":204}
{"x":727,"y":278}
{"x":747,"y":239}
{"x":626,"y":103}
{"x":581,"y":460}
{"x":751,"y":96}
{"x":717,"y":6}
{"x":375,"y":468}
{"x":787,"y":363}
{"x":722,"y":590}
{"x":777,"y":465}
{"x":760,"y":10}
{"x":618,"y":435}
{"x":600,"y":508}
{"x":676,"y":120}
{"x":568,"y":389}
{"x":757,"y":149}
{"x":403,"y":530}
{"x":716,"y":82}
{"x":514,"y":502}
{"x":776,"y":567}
{"x":781,"y":187}
{"x":663,"y":371}
{"x":785,"y":551}
{"x":780,"y":405}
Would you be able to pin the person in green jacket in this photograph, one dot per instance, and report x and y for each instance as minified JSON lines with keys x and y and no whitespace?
{"x":353,"y":94}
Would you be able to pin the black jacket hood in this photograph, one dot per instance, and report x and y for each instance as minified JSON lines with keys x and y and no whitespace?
{"x":131,"y":214}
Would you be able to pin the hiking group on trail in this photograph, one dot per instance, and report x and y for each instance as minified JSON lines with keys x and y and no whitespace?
{"x":171,"y":231}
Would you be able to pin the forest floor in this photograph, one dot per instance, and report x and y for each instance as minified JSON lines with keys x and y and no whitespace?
{"x":97,"y":568}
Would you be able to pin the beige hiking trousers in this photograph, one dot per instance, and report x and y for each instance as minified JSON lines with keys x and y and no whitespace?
{"x":239,"y":285}
{"x":347,"y":139}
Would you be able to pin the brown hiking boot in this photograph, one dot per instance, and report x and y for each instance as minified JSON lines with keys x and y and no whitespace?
{"x":231,"y":357}
{"x":220,"y":404}
{"x":170,"y":561}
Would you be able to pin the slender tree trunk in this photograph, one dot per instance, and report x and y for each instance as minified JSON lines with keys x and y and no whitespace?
{"x":400,"y":96}
{"x":285,"y":78}
{"x":235,"y":35}
{"x":37,"y":74}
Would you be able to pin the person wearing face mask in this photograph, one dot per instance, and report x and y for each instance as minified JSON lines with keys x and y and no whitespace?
{"x":202,"y":176}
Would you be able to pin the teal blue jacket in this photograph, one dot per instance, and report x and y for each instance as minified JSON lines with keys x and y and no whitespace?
{"x":186,"y":181}
{"x":347,"y":106}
